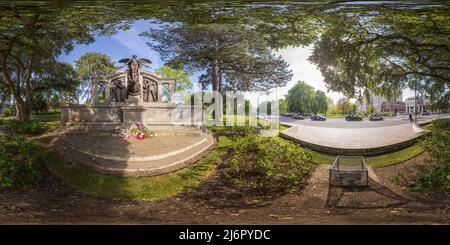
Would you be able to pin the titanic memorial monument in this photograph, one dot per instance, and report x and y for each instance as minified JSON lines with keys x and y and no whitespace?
{"x":118,"y":103}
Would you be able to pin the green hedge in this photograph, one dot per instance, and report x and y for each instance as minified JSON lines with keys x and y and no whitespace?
{"x":442,"y":124}
{"x":20,"y":163}
{"x":261,"y":165}
{"x":436,"y":175}
{"x":8,"y":112}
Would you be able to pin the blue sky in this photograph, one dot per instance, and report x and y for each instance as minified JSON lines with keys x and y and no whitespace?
{"x":122,"y":45}
{"x":126,"y":43}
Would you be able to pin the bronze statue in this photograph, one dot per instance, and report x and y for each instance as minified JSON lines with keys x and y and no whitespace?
{"x":133,"y":73}
{"x":150,"y":91}
{"x":118,"y":90}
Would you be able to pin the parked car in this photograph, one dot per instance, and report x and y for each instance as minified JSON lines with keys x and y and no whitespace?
{"x":375,"y":117}
{"x":426,"y":113}
{"x":299,"y":117}
{"x":318,"y":118}
{"x":353,"y":118}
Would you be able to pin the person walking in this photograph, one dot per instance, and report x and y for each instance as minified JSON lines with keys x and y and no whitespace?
{"x":410,"y":117}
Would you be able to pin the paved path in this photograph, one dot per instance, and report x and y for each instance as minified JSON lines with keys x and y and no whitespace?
{"x":354,"y":138}
{"x":337,"y":136}
{"x":341,"y":123}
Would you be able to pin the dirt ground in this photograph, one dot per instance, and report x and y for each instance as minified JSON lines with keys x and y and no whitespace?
{"x":213,"y":203}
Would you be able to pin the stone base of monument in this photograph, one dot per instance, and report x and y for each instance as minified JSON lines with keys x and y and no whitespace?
{"x":133,"y":100}
{"x":109,"y":117}
{"x":163,"y":153}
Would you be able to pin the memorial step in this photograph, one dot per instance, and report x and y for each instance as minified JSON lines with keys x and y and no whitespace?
{"x":137,"y":168}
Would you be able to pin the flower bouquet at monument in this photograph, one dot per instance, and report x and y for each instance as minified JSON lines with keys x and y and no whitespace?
{"x":141,"y":132}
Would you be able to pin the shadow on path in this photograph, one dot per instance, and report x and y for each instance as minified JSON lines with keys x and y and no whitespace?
{"x":373,"y":196}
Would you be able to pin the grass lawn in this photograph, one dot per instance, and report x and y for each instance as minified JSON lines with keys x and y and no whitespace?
{"x":30,"y":128}
{"x":375,"y":161}
{"x":335,"y":116}
{"x":50,"y":125}
{"x":49,"y":115}
{"x":394,"y":157}
{"x":320,"y":158}
{"x":283,"y":127}
{"x":138,"y":189}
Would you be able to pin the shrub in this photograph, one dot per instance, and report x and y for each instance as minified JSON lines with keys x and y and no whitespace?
{"x":443,"y":124}
{"x":20,"y":127}
{"x":245,"y":130}
{"x":20,"y":163}
{"x":436,"y":175}
{"x":233,"y":130}
{"x":262,"y":165}
{"x":10,"y":111}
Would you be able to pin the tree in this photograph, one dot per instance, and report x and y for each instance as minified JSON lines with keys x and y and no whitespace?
{"x":300,"y":98}
{"x":248,"y":107}
{"x":265,"y":108}
{"x":354,"y":108}
{"x":89,"y":66}
{"x":370,"y":109}
{"x":382,"y":49}
{"x":232,"y":57}
{"x":439,"y":97}
{"x":283,"y":104}
{"x":32,"y":37}
{"x":321,"y":102}
{"x":182,"y":82}
{"x":181,"y":78}
{"x":344,"y":105}
{"x":58,"y":85}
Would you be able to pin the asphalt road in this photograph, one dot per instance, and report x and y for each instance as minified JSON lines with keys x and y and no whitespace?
{"x":365,"y":123}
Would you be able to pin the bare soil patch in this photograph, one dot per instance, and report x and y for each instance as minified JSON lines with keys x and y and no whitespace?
{"x":401,"y":177}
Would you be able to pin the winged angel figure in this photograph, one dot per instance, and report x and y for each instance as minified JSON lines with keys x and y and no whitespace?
{"x":134,"y":64}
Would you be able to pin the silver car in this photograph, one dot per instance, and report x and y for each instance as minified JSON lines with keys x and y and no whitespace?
{"x":375,"y":117}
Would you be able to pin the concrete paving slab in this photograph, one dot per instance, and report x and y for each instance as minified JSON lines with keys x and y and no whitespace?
{"x":360,"y":141}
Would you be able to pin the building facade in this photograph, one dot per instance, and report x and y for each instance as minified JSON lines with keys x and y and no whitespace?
{"x":382,"y":104}
{"x":418,"y":106}
{"x":393,"y":106}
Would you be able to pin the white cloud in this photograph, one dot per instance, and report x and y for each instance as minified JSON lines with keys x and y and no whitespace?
{"x":131,"y":40}
{"x":302,"y":69}
{"x":309,"y":73}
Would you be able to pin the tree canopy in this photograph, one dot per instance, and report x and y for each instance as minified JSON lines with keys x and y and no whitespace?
{"x":344,"y":105}
{"x":90,"y":65}
{"x":31,"y":38}
{"x":382,"y":49}
{"x":182,"y":81}
{"x":358,"y":47}
{"x":321,"y":103}
{"x":303,"y":99}
{"x":232,"y":57}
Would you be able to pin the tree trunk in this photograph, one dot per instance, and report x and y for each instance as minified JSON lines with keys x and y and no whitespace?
{"x":217,"y":89}
{"x":21,"y":111}
{"x":29,"y":101}
{"x":415,"y":103}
